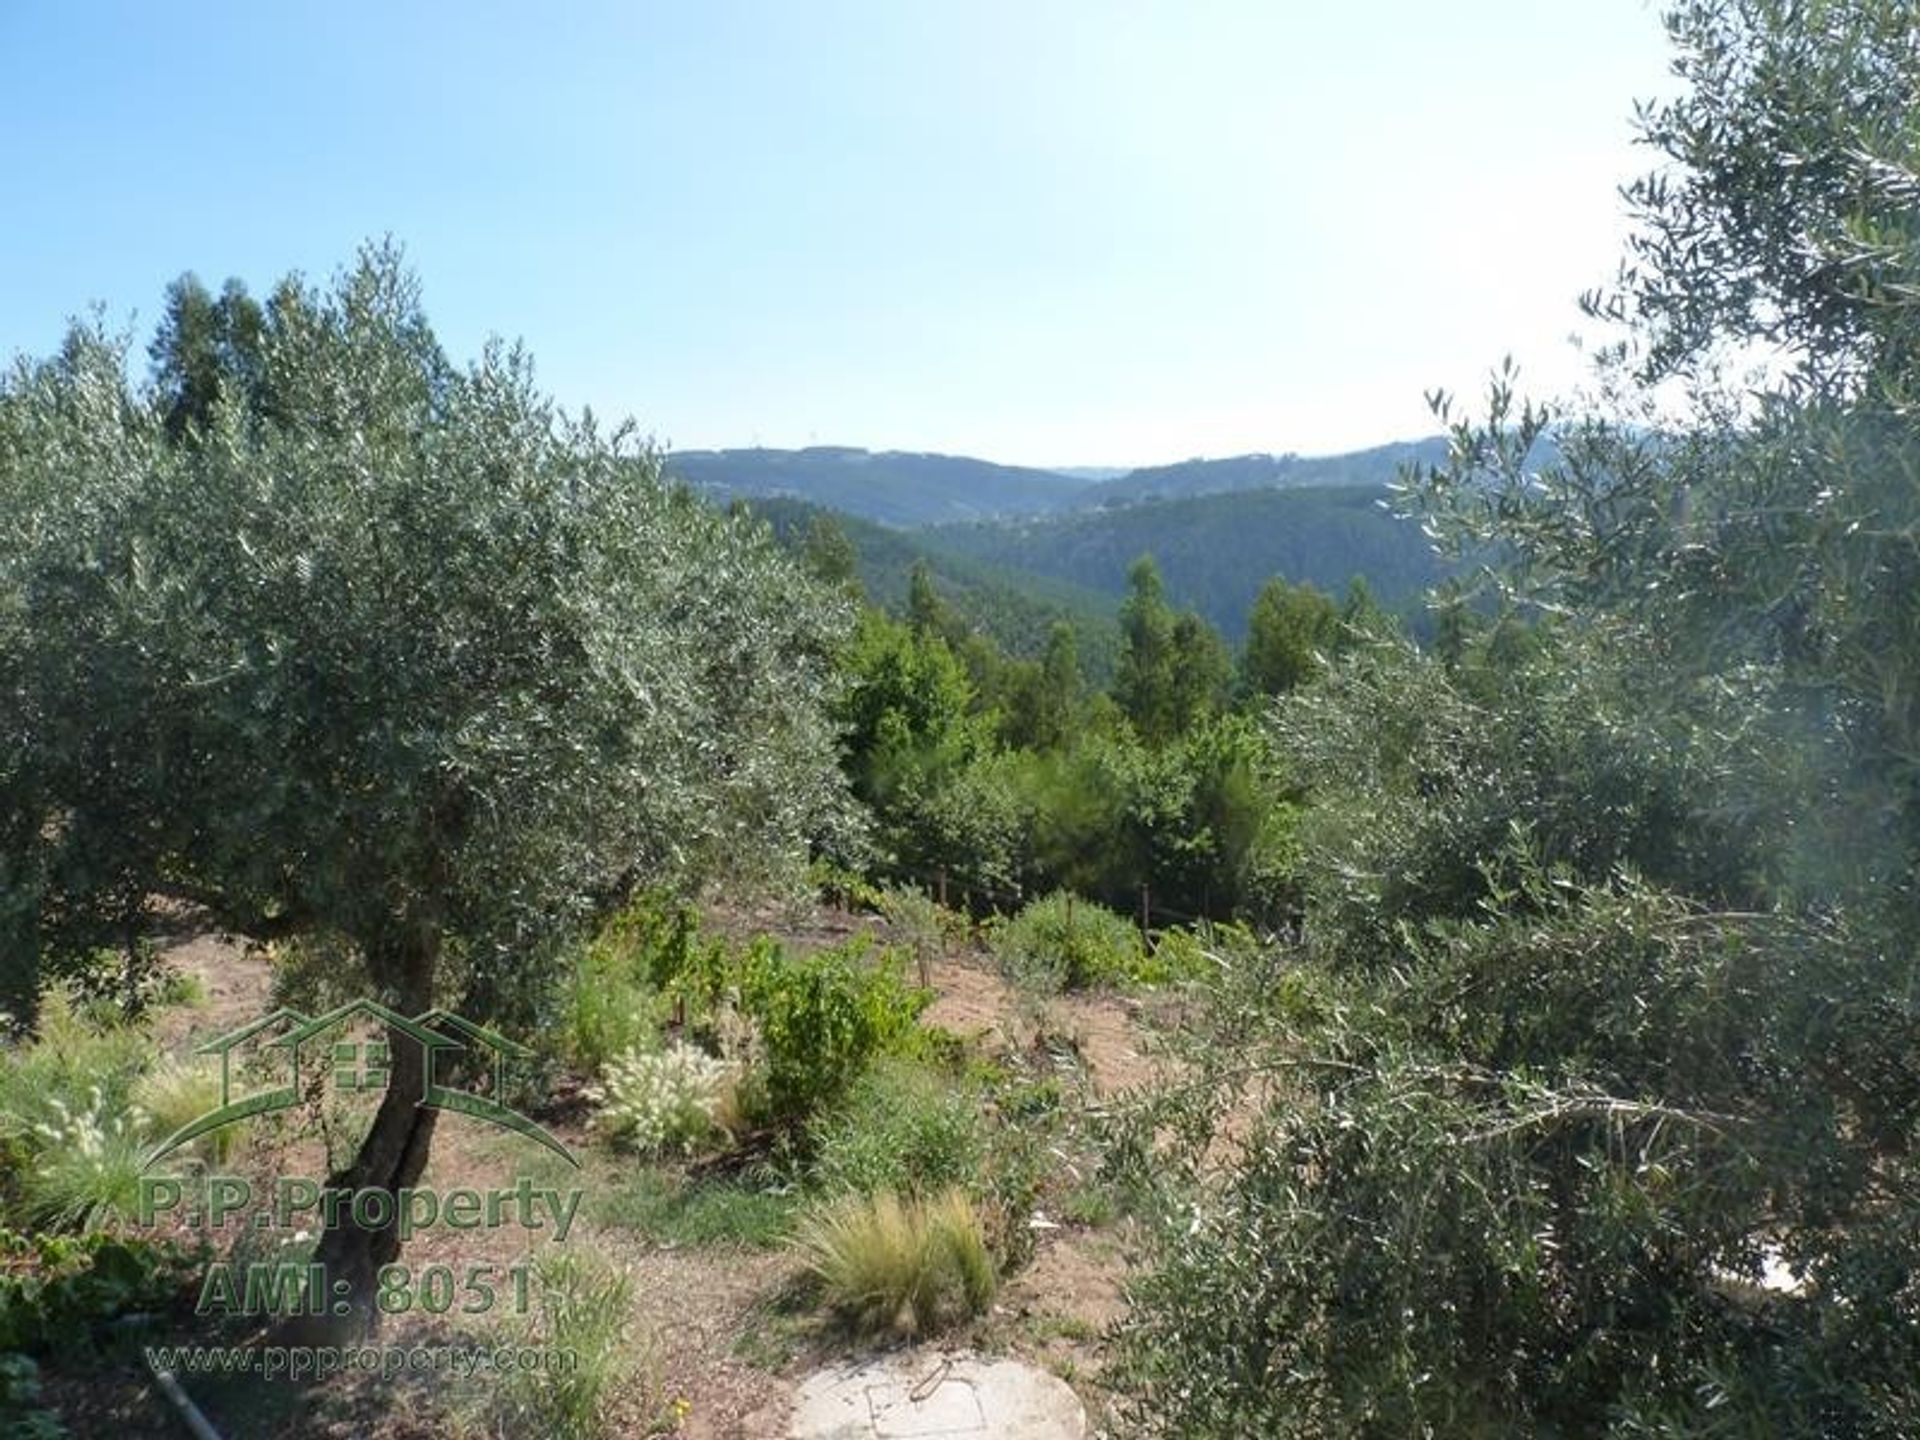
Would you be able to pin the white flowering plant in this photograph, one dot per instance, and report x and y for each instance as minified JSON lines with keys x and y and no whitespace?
{"x":87,"y":1169}
{"x":654,"y":1102}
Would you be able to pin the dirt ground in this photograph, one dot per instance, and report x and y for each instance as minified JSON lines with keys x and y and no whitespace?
{"x":717,"y":1341}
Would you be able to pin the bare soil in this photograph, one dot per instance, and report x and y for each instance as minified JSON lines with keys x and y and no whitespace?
{"x":721,"y":1341}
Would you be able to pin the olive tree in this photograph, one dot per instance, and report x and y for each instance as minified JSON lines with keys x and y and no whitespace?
{"x":415,"y":662}
{"x":1599,"y":1095}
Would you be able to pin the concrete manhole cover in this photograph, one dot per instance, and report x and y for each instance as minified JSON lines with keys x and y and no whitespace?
{"x":927,"y":1395}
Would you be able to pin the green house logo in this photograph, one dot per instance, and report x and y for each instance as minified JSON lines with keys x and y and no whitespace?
{"x":364,"y":1067}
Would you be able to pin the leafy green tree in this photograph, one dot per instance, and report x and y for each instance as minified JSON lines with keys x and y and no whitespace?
{"x":1174,"y":667}
{"x":1774,"y":539}
{"x":1787,"y":213}
{"x":1043,"y":698}
{"x":830,"y":555}
{"x":208,"y":348}
{"x":1616,"y":921}
{"x":915,"y":751}
{"x":927,"y":613}
{"x":1202,"y":670}
{"x":422,"y":665}
{"x":1360,"y":612}
{"x":1144,"y":685}
{"x":1194,"y":821}
{"x":1289,"y":629}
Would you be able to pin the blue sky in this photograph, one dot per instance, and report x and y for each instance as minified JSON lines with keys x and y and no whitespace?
{"x":1036,"y":231}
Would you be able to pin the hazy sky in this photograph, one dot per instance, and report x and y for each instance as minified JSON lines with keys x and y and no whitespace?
{"x":1043,"y":233}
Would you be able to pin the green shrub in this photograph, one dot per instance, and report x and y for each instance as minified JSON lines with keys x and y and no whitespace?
{"x":660,"y":1101}
{"x":1435,"y":1251}
{"x":1191,"y":954}
{"x":1062,"y":942}
{"x":26,"y":1419}
{"x":1420,"y":779}
{"x":836,"y":884}
{"x":1535,"y":1179}
{"x":899,"y":1128}
{"x":583,"y":1308}
{"x":889,"y":1266}
{"x":57,"y":1292}
{"x":824,"y":1018}
{"x":180,"y":988}
{"x":799,"y":1028}
{"x":611,"y":1001}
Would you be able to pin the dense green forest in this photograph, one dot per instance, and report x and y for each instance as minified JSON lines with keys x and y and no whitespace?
{"x":1016,"y":609}
{"x":1216,"y":551}
{"x":1533,"y":992}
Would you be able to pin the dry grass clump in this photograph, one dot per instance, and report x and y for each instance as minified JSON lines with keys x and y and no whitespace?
{"x":905,"y":1267}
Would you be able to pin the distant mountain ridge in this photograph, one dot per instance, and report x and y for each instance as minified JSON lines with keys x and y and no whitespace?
{"x":894,"y":487}
{"x":908,"y":489}
{"x":1376,"y":466}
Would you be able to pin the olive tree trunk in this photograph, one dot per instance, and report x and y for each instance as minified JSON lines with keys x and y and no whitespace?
{"x":392,"y":1157}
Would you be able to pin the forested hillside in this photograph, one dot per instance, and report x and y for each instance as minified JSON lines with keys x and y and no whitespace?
{"x":1216,"y":551}
{"x":1017,"y":549}
{"x":907,"y":489}
{"x":1016,"y":609}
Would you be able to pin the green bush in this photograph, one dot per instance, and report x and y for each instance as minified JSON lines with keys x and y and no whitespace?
{"x":836,"y":884}
{"x":901,"y":1128}
{"x":611,"y":999}
{"x":1533,"y":1178}
{"x":799,"y":1028}
{"x":26,"y":1419}
{"x":1420,"y":779}
{"x":898,"y":1267}
{"x":1435,"y":1251}
{"x":1191,"y":954}
{"x":58,"y":1292}
{"x":180,"y":988}
{"x":824,"y":1018}
{"x":1062,"y":942}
